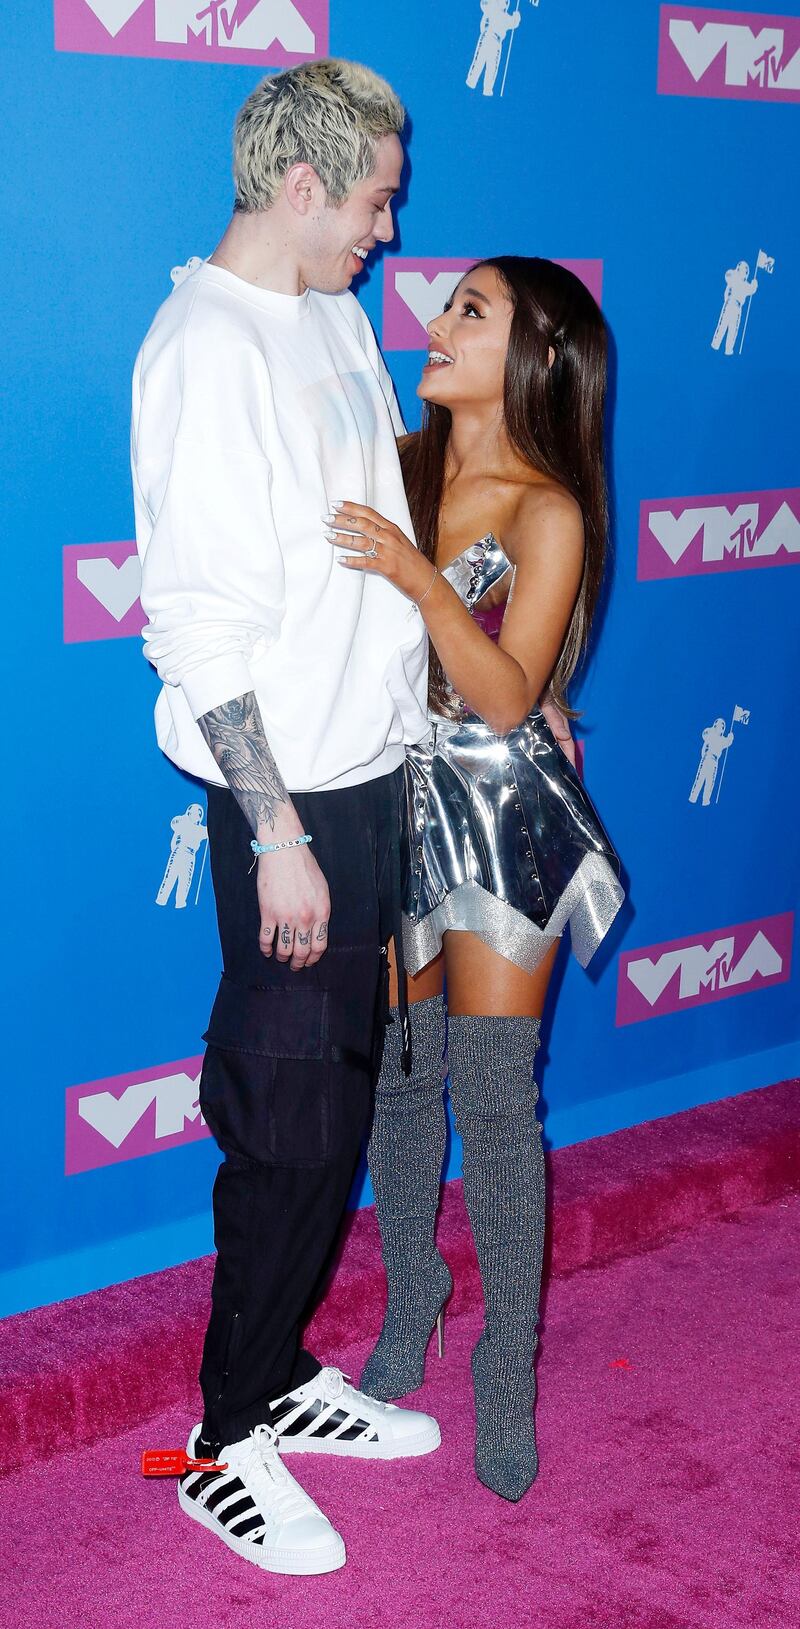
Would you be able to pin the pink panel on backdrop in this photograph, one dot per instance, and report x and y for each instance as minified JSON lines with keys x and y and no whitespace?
{"x":267,"y":33}
{"x":729,"y":531}
{"x":415,"y":290}
{"x":682,"y":973}
{"x":101,"y":592}
{"x":734,"y":54}
{"x":127,"y":1116}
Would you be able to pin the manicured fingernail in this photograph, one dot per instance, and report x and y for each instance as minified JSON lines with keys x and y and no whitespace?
{"x":329,"y":520}
{"x":337,"y":503}
{"x":331,"y":536}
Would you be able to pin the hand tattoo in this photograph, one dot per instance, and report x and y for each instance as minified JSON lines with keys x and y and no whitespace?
{"x":323,"y":931}
{"x":286,"y":937}
{"x":235,"y":733}
{"x":303,"y":938}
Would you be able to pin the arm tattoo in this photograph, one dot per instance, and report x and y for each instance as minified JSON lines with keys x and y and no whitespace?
{"x":235,"y":734}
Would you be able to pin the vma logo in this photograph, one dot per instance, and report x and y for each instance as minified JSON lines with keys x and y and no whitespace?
{"x":688,"y":537}
{"x":691,"y":972}
{"x":270,"y":33}
{"x":128,"y":1116}
{"x":728,"y":53}
{"x":416,"y":291}
{"x":102,"y":582}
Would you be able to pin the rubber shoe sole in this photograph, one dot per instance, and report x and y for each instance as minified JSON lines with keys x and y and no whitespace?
{"x":293,"y":1563}
{"x":411,"y":1448}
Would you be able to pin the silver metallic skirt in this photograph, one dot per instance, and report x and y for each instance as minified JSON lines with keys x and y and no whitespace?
{"x":502,"y":841}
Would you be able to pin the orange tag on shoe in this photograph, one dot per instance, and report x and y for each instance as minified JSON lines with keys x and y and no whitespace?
{"x":174,"y":1462}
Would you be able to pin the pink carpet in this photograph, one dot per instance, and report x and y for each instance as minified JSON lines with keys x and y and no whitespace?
{"x":667,"y":1496}
{"x":87,"y":1369}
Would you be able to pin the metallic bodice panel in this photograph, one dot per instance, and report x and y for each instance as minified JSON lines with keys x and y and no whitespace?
{"x":477,"y":569}
{"x":506,"y":814}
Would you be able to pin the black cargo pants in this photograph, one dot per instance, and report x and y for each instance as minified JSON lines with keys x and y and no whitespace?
{"x":287,"y":1088}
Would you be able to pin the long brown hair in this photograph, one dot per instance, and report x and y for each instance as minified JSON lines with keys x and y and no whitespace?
{"x":554,"y":419}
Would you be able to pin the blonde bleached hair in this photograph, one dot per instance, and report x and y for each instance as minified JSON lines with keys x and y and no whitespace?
{"x":330,"y":114}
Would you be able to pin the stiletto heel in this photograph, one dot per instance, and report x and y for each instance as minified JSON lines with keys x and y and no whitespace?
{"x":416,"y":1308}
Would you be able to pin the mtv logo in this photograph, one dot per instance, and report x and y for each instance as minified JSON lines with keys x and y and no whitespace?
{"x":738,"y":54}
{"x":415,"y":291}
{"x":267,"y":33}
{"x":128,"y":1116}
{"x":102,"y":582}
{"x":708,"y":967}
{"x":740,"y":531}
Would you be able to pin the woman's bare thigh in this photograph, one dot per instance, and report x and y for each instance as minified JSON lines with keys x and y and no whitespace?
{"x":480,"y":981}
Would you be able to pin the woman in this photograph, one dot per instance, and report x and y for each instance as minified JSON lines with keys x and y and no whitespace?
{"x":507,"y":493}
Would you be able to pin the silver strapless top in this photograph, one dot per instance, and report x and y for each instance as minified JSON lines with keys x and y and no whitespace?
{"x":501,"y":837}
{"x":477,"y":569}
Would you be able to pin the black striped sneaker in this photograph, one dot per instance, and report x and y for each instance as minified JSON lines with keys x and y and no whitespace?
{"x":257,"y":1509}
{"x":327,"y":1416}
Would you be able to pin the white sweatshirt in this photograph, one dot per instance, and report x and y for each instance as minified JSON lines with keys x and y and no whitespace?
{"x":252,"y":413}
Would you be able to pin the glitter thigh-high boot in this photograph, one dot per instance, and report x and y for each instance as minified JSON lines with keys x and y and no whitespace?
{"x":406,"y":1154}
{"x":494,"y":1102}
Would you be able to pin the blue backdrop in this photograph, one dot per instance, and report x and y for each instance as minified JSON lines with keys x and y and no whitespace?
{"x":605,"y":139}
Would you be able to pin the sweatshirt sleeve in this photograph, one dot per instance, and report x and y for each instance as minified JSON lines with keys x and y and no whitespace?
{"x":212,"y":570}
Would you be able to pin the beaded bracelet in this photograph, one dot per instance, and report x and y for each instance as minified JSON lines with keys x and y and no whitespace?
{"x":274,"y":848}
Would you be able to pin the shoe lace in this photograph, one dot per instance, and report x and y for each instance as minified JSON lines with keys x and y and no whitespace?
{"x":266,"y":1474}
{"x":333,"y":1383}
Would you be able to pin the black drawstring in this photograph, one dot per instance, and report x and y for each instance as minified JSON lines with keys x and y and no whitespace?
{"x":397,"y":926}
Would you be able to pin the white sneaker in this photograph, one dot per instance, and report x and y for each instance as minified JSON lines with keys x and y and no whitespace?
{"x":327,"y":1416}
{"x":258,"y":1510}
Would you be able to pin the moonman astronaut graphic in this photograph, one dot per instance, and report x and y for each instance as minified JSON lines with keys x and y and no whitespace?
{"x":738,"y":288}
{"x":496,"y":22}
{"x":715,"y":742}
{"x":180,"y":273}
{"x":188,"y":836}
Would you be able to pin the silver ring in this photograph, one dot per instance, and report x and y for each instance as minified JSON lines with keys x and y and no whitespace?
{"x":371,"y":554}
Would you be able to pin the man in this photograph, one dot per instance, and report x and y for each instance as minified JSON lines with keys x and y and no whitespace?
{"x":290,"y":686}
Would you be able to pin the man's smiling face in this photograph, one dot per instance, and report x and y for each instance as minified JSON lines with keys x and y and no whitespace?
{"x":340,"y":239}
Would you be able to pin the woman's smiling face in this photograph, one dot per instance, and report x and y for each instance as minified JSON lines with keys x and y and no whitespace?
{"x":468,"y":343}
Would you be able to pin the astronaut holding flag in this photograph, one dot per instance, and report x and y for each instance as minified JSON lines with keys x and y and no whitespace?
{"x":716,"y":742}
{"x":189,"y":833}
{"x":738,"y":289}
{"x":497,"y":21}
